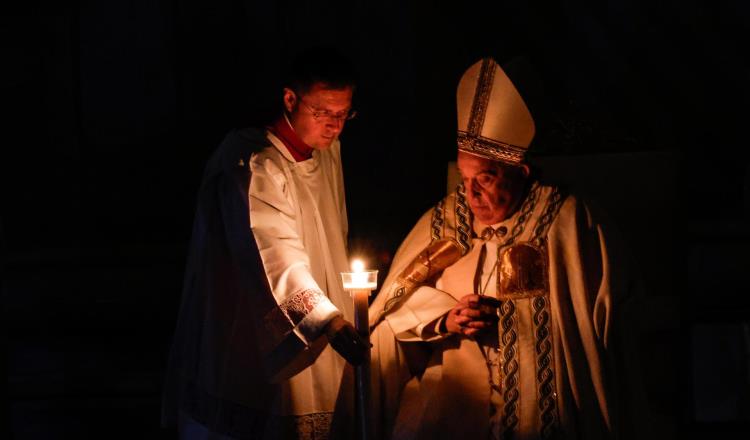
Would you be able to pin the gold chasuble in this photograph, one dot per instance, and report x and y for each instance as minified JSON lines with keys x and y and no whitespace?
{"x":546,"y":371}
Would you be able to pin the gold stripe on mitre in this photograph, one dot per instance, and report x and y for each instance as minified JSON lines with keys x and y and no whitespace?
{"x":493,"y":120}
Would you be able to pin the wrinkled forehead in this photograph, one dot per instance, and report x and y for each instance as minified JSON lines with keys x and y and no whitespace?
{"x":470,"y":164}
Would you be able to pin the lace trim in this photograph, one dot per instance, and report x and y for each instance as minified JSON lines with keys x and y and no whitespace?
{"x":297,"y":306}
{"x":282,"y":319}
{"x":312,"y":426}
{"x":242,"y":422}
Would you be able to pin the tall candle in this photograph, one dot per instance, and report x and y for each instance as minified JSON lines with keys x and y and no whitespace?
{"x":360,"y":282}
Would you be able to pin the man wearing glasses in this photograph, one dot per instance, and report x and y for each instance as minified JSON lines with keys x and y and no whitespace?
{"x":262,"y":297}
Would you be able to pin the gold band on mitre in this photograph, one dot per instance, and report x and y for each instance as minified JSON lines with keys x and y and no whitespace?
{"x":490,"y":149}
{"x":493,"y":120}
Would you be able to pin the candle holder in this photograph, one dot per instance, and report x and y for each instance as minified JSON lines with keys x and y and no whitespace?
{"x":360,"y":283}
{"x":361,"y":280}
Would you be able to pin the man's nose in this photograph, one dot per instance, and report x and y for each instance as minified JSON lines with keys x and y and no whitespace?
{"x":336,"y":124}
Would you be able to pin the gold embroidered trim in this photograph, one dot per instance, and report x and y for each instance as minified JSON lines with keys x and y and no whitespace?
{"x":438,"y":220}
{"x":554,"y":203}
{"x":481,"y":96}
{"x":545,"y":375}
{"x":489,"y":148}
{"x":525,"y":213}
{"x":463,"y":220}
{"x":509,"y":366}
{"x":430,"y":262}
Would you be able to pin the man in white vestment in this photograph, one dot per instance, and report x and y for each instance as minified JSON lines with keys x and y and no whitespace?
{"x":262,"y":296}
{"x":499,"y":316}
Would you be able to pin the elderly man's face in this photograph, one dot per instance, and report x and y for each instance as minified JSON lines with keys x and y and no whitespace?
{"x":319,"y":115}
{"x":493,"y":190}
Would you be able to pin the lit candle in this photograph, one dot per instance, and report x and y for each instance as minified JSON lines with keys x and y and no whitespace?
{"x":359,"y":278}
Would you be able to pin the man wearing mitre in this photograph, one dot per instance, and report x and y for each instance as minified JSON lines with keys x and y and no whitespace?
{"x":499,"y":316}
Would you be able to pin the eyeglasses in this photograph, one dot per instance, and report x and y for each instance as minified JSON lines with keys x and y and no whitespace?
{"x":325,"y":115}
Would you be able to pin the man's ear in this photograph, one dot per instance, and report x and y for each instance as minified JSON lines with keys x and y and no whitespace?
{"x":525,"y":170}
{"x":290,"y":99}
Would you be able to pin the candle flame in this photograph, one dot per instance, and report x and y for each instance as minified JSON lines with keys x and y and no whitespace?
{"x":358,"y":266}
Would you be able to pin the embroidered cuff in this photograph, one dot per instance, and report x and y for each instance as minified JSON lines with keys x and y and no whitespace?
{"x":306,"y":313}
{"x":311,"y":327}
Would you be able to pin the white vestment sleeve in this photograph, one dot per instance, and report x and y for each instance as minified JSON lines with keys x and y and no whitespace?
{"x":285,"y":261}
{"x":418,"y":313}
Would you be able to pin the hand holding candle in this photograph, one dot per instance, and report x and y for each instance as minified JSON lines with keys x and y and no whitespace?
{"x":346,"y":340}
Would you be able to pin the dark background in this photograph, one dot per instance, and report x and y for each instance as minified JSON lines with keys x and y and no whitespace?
{"x":112,"y":109}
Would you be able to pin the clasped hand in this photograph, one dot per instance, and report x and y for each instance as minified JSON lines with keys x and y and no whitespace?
{"x":471,"y":315}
